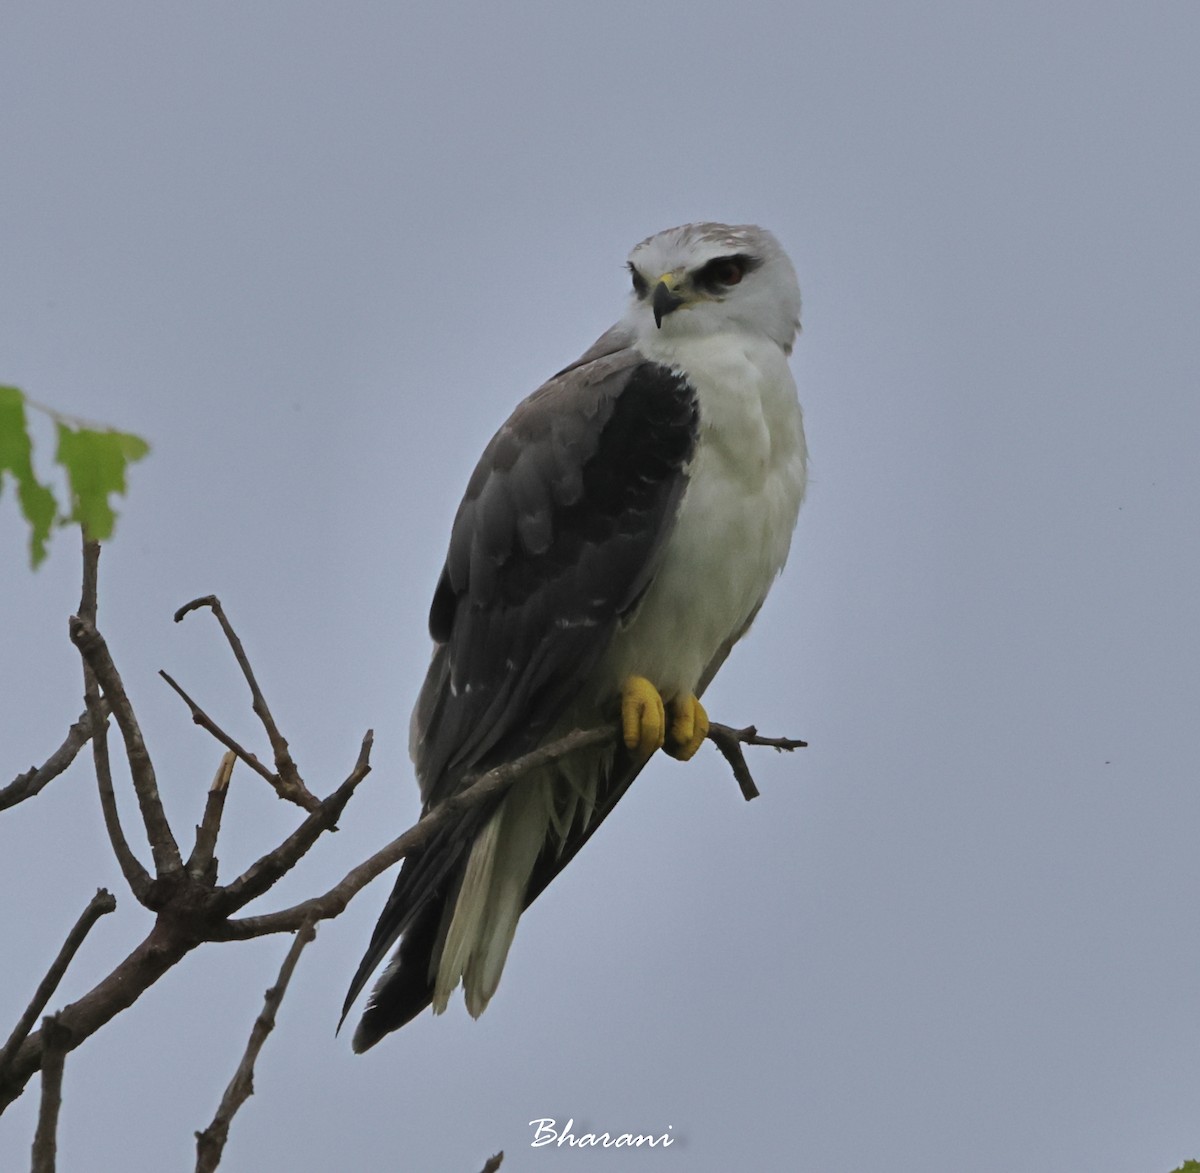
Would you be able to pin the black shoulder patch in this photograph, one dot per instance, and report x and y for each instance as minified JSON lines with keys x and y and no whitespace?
{"x":558,"y":536}
{"x":624,"y":485}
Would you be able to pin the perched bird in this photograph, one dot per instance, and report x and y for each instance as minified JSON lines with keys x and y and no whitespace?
{"x":616,"y":539}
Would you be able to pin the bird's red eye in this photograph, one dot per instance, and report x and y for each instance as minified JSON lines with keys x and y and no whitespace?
{"x":722,"y":272}
{"x":728,"y":272}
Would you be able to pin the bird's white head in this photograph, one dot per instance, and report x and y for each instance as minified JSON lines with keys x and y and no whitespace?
{"x":706,"y":278}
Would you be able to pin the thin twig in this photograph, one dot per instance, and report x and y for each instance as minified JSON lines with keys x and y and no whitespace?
{"x":91,"y":645}
{"x":494,"y":1163}
{"x":200,"y":862}
{"x":57,"y":1041}
{"x":135,"y":874}
{"x":750,"y":736}
{"x":267,"y":870}
{"x":201,"y":718}
{"x":293,"y":786}
{"x":211,"y":1142}
{"x":730,"y":741}
{"x":33,"y":780}
{"x":103,"y":902}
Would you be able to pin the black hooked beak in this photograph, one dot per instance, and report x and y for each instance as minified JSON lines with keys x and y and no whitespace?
{"x":665,"y":301}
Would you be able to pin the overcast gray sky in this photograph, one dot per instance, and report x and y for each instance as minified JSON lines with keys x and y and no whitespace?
{"x":315,"y":253}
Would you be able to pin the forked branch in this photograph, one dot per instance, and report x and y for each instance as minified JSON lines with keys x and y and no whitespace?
{"x":287,"y":780}
{"x":94,"y":650}
{"x":730,"y":741}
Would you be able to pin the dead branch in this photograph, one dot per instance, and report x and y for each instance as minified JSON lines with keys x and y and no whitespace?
{"x":168,"y":943}
{"x":202,"y":859}
{"x":45,"y":1139}
{"x":266,"y":871}
{"x":210,"y":1143}
{"x":191,"y":910}
{"x":91,"y":645}
{"x":730,"y":741}
{"x":26,"y":785}
{"x":135,"y":874}
{"x":201,"y":718}
{"x":289,"y":783}
{"x":494,"y":1163}
{"x":100,"y":904}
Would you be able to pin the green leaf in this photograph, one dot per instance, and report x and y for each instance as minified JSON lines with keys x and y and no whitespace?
{"x":96,"y":463}
{"x":1188,"y":1167}
{"x":16,"y":457}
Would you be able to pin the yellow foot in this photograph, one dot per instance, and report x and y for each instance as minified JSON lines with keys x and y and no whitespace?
{"x":643,"y":718}
{"x":689,"y":727}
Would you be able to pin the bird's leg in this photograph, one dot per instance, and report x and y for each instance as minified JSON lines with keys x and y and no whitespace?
{"x":643,"y":716}
{"x":688,"y":728}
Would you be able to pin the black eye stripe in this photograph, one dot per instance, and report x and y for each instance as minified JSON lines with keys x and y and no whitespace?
{"x":723,"y":272}
{"x":640,"y":285}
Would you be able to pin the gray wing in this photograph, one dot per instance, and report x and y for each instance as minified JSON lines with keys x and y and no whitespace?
{"x":557,"y":537}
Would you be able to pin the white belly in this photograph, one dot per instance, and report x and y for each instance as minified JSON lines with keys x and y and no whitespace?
{"x":734,"y":527}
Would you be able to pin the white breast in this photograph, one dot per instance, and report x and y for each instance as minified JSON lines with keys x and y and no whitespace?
{"x":734,"y":527}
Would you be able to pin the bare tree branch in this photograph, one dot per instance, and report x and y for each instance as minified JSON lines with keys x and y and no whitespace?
{"x":189,"y":913}
{"x":494,"y":1163}
{"x":103,"y":902}
{"x":202,"y":859}
{"x":730,"y":741}
{"x":45,"y":1140}
{"x":33,"y":780}
{"x":135,"y":874}
{"x":291,"y":784}
{"x":201,"y":718}
{"x":267,"y":870}
{"x":168,"y":943}
{"x":91,"y":645}
{"x":211,"y":1142}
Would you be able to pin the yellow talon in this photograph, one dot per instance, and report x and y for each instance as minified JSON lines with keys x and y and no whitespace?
{"x":643,"y":717}
{"x":689,"y":727}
